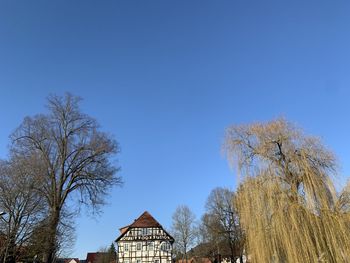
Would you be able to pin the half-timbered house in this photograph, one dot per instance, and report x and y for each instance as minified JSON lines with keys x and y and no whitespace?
{"x":144,"y":241}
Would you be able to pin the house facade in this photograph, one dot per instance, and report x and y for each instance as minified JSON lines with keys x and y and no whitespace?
{"x":144,"y":241}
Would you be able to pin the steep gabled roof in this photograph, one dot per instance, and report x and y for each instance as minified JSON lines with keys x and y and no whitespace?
{"x":145,"y":220}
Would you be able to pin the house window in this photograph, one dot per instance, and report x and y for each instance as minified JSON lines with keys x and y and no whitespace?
{"x":136,"y":232}
{"x":126,"y":247}
{"x":165,"y":246}
{"x":138,"y":261}
{"x":138,"y":247}
{"x":126,"y":261}
{"x":145,"y":231}
{"x":150,"y":246}
{"x":156,"y":261}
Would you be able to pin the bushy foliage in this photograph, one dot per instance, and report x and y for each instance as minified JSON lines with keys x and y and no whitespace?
{"x":287,"y":202}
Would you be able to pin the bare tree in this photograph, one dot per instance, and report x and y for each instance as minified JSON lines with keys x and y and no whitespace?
{"x":75,"y":156}
{"x":23,"y":207}
{"x":184,"y":229}
{"x":209,"y":239}
{"x":222,"y":223}
{"x":287,"y":203}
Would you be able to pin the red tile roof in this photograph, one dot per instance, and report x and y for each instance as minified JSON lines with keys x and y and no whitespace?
{"x":145,"y":220}
{"x":95,"y":256}
{"x":91,"y":257}
{"x":124,"y":229}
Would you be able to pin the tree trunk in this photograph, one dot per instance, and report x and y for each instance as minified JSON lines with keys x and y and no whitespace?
{"x":51,"y":238}
{"x":10,"y":253}
{"x":232,"y":249}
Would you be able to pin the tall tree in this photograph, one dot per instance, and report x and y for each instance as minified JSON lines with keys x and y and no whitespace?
{"x":75,"y":156}
{"x":23,"y":208}
{"x":222,"y":223}
{"x":209,"y":239}
{"x":287,"y":202}
{"x":184,"y":229}
{"x":112,"y":252}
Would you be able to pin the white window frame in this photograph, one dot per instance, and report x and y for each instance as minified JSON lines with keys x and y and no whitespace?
{"x":165,"y":246}
{"x":144,"y":231}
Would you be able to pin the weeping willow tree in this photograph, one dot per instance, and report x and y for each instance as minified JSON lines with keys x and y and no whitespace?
{"x":287,"y":202}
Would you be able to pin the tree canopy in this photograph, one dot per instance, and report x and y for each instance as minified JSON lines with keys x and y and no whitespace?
{"x":72,"y":156}
{"x":287,"y":202}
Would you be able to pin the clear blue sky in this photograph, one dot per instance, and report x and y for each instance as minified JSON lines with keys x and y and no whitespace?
{"x":167,"y":77}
